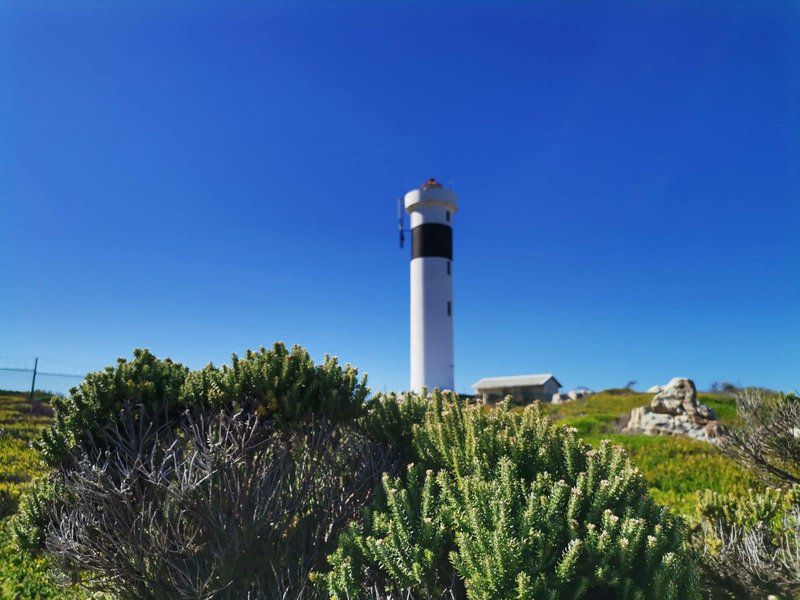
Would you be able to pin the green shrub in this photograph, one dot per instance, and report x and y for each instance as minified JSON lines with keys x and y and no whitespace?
{"x":278,"y":383}
{"x":489,"y":503}
{"x":390,"y":419}
{"x":550,"y":539}
{"x":512,"y":507}
{"x":748,"y":510}
{"x":403,"y":547}
{"x":146,"y":382}
{"x":222,"y":482}
{"x":9,"y":498}
{"x":26,"y":576}
{"x":32,"y":517}
{"x":465,"y":439}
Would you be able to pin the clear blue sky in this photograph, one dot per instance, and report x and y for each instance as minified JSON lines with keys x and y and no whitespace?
{"x":200,"y":179}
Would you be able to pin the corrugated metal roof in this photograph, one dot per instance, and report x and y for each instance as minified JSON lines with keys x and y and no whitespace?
{"x":513,"y":381}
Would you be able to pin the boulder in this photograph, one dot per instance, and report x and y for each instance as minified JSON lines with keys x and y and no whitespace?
{"x":706,"y":412}
{"x":667,"y":406}
{"x":678,"y":393}
{"x":644,"y":420}
{"x":560,"y":398}
{"x":674,"y":410}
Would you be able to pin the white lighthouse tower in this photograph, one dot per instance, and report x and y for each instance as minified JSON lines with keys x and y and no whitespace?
{"x":431,"y":208}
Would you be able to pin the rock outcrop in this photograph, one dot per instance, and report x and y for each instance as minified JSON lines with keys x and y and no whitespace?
{"x":675,"y":410}
{"x":571,"y":395}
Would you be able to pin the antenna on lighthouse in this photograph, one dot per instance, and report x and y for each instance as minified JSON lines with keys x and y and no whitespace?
{"x":401,"y":222}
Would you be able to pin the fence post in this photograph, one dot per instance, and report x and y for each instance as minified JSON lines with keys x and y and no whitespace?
{"x":33,"y":382}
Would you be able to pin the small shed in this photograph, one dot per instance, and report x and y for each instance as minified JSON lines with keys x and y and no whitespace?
{"x":522,"y":388}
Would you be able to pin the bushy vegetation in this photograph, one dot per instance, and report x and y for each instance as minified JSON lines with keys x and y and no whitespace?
{"x":223,"y":506}
{"x":504,"y":505}
{"x":27,"y":576}
{"x":22,"y":574}
{"x":751,"y":542}
{"x":145,"y":383}
{"x":677,"y":469}
{"x":19,"y":425}
{"x":225,"y":482}
{"x":280,"y":384}
{"x":275,"y":476}
{"x":240,"y":480}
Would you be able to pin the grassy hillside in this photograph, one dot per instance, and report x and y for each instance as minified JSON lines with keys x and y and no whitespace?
{"x":20,"y":423}
{"x":676,"y":467}
{"x":22,"y":575}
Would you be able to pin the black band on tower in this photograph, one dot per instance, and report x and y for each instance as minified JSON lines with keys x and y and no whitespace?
{"x":432,"y":239}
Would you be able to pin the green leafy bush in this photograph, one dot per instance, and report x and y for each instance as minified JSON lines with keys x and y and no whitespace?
{"x":223,"y":482}
{"x":254,"y":472}
{"x":9,"y":498}
{"x":286,"y":385}
{"x":512,"y":507}
{"x":748,"y":510}
{"x":146,"y":385}
{"x":33,"y":515}
{"x":600,"y":537}
{"x":25,"y":576}
{"x":402,"y":547}
{"x":391,"y":419}
{"x":146,"y":382}
{"x":278,"y":384}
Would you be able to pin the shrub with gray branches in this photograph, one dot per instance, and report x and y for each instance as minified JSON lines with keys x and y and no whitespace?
{"x":767,"y":440}
{"x":762,"y":556}
{"x":226,"y":482}
{"x":751,"y":544}
{"x":223,"y":506}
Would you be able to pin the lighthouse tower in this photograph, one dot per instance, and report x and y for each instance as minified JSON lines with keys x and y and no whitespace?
{"x":431,"y":208}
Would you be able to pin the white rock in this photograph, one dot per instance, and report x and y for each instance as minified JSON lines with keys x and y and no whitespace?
{"x":675,"y":411}
{"x":678,"y":396}
{"x":643,"y":420}
{"x":560,"y":398}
